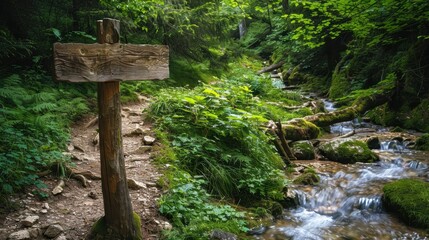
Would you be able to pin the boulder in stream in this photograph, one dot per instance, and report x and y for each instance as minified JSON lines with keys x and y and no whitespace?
{"x":303,"y":150}
{"x":348,"y":151}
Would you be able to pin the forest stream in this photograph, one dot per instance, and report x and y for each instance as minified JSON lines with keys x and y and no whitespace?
{"x":347,"y":202}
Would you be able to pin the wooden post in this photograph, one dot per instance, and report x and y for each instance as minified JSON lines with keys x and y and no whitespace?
{"x":117,"y":203}
{"x":108,"y":63}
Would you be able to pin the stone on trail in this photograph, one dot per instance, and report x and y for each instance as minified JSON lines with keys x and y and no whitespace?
{"x":142,"y":150}
{"x":148,"y":140}
{"x":20,"y":235}
{"x":59,"y":188}
{"x":53,"y":231}
{"x":135,"y":132}
{"x":29,"y":221}
{"x":135,"y":185}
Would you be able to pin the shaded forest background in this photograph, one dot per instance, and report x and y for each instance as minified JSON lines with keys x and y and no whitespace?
{"x":340,"y":49}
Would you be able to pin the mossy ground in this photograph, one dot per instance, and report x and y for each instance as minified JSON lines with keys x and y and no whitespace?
{"x":409,"y":199}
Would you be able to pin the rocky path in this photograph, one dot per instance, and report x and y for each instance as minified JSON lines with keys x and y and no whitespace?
{"x":71,"y":212}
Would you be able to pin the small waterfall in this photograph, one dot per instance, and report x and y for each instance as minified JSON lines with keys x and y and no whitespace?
{"x":394,"y":146}
{"x":417,"y":165}
{"x":370,"y":203}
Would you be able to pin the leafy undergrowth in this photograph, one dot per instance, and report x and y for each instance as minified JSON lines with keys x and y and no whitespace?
{"x":35,"y":114}
{"x":215,"y":147}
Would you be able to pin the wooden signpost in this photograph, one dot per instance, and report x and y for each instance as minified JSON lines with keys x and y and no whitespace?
{"x":107,"y":63}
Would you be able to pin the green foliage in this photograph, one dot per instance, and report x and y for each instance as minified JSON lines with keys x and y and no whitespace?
{"x":422,"y":142}
{"x":215,"y":133}
{"x":188,"y":205}
{"x":35,"y":118}
{"x":418,"y":118}
{"x":13,"y":48}
{"x":256,"y":32}
{"x":409,"y":199}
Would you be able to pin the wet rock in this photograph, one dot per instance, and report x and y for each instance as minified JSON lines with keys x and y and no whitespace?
{"x":20,"y":235}
{"x":148,"y":140}
{"x":222,"y":235}
{"x":257,"y":230}
{"x":135,"y":185}
{"x":290,"y":199}
{"x":373,"y":142}
{"x":398,"y":138}
{"x":347,"y":151}
{"x":303,"y":150}
{"x":53,"y":230}
{"x":29,"y":221}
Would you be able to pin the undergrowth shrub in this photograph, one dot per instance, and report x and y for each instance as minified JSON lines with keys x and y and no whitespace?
{"x":215,"y":132}
{"x":34,"y":120}
{"x":189,"y":206}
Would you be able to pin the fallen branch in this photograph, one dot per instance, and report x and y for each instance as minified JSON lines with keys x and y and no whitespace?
{"x":271,"y":67}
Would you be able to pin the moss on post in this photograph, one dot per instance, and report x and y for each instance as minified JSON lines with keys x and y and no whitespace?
{"x":100,"y":230}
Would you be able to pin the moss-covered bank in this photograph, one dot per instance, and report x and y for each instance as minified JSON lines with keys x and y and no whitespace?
{"x":409,"y":199}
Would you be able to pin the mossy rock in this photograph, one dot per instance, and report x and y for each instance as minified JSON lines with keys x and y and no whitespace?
{"x":409,"y":200}
{"x":309,"y":177}
{"x":303,"y":150}
{"x":272,"y":207}
{"x":295,"y":77}
{"x":348,"y":151}
{"x":422,"y":142}
{"x":100,"y":231}
{"x":300,"y":129}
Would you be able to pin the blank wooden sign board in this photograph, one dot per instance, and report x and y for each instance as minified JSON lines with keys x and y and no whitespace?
{"x":108,"y":63}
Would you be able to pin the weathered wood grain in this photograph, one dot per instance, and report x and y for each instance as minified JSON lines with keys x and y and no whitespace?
{"x":76,"y":62}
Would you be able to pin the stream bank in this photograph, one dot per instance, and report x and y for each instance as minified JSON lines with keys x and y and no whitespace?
{"x":347,"y":201}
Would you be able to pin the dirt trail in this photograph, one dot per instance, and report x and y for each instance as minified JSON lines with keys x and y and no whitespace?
{"x":78,"y":207}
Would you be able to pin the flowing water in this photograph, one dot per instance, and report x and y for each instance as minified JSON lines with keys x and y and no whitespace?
{"x":347,"y":204}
